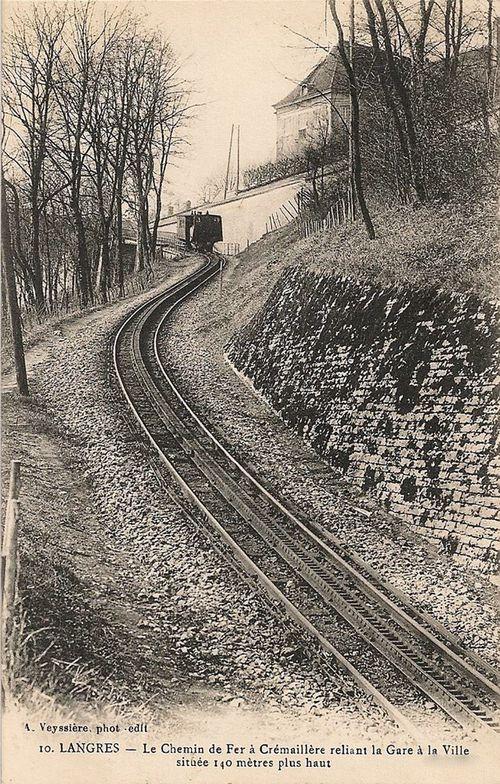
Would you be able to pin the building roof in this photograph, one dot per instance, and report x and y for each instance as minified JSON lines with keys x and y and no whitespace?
{"x":330,"y":73}
{"x":327,"y":75}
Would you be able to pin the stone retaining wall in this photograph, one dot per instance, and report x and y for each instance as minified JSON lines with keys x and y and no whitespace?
{"x":397,"y":389}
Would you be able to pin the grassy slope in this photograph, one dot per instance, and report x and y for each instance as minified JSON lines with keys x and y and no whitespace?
{"x":453,"y":247}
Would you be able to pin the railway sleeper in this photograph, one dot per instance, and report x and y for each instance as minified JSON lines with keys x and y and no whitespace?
{"x":316,"y":572}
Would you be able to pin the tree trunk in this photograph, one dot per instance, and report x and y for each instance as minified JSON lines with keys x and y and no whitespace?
{"x":15,"y":318}
{"x":154,"y":233}
{"x":143,"y":258}
{"x":83,"y":266}
{"x":105,"y":267}
{"x":403,"y":142}
{"x":404,"y":98}
{"x":490,"y":47}
{"x":50,"y":271}
{"x":356,"y":142}
{"x":36,"y":261}
{"x":25,"y":269}
{"x":139,"y":259}
{"x":119,"y":238}
{"x":5,"y":304}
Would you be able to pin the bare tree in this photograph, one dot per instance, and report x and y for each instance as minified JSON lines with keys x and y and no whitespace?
{"x":171,"y":121}
{"x":119,"y":76}
{"x":144,"y":91}
{"x":10,"y":281}
{"x":76,"y":87}
{"x":380,"y":66}
{"x":158,"y":111}
{"x":33,"y":48}
{"x":434,"y":79}
{"x":403,"y":94}
{"x":324,"y":147}
{"x":355,"y":129}
{"x":489,"y":27}
{"x":108,"y":129}
{"x":212,"y":188}
{"x":95,"y":109}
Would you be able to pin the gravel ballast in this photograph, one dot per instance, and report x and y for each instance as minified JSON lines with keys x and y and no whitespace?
{"x":201,"y":634}
{"x":194,"y":345}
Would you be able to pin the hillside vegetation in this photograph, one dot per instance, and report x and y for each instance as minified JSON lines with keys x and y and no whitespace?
{"x":453,"y":247}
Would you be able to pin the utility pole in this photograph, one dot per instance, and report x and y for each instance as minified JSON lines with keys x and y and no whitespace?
{"x":226,"y":186}
{"x":10,"y":282}
{"x":351,"y":132}
{"x":238,"y":161}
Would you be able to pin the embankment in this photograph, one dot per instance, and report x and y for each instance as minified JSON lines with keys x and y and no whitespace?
{"x":396,"y":387}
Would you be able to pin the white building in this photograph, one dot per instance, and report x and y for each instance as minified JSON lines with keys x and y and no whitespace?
{"x":320,"y":101}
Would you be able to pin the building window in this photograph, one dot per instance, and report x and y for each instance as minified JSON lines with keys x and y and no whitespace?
{"x":303,"y":89}
{"x":345,"y":112}
{"x":302,"y":121}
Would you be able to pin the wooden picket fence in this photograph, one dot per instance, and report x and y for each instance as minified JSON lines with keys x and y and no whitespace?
{"x":340,"y":212}
{"x":288,"y":212}
{"x":69,"y":304}
{"x":228,"y":248}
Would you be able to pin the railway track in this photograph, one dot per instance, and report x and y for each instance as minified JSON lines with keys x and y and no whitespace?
{"x":325,"y":588}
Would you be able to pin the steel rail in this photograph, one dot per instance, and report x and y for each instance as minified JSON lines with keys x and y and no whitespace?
{"x":369,"y":631}
{"x":249,"y":565}
{"x":454,"y":651}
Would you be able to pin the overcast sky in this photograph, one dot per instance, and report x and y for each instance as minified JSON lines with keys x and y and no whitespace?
{"x":240,"y":59}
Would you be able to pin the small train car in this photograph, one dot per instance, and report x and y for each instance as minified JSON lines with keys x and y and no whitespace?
{"x":200,"y":231}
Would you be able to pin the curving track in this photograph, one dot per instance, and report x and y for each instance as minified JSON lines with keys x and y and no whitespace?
{"x":328,"y":590}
